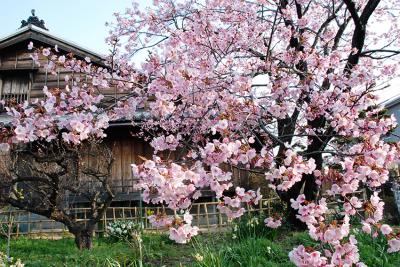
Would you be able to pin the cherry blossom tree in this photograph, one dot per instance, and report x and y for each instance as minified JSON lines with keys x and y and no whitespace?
{"x":286,"y":89}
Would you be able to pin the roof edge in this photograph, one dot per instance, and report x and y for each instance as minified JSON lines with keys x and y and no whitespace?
{"x":32,"y":28}
{"x":391,"y":102}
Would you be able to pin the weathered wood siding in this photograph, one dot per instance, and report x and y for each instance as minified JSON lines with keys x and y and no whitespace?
{"x":16,"y":61}
{"x":126,"y":150}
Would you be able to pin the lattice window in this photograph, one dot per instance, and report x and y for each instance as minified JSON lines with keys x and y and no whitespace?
{"x":15,"y":87}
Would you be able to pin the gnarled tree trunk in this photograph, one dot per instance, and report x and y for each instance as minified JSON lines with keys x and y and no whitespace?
{"x":83,"y":237}
{"x":41,"y":177}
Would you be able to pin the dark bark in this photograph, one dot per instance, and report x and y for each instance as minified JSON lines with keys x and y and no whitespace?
{"x":287,"y":126}
{"x":291,"y":215}
{"x":83,"y":237}
{"x":318,"y":143}
{"x":359,"y":33}
{"x":292,"y":219}
{"x":43,"y":180}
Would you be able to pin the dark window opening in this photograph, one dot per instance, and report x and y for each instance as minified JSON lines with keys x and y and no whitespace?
{"x":14,"y":87}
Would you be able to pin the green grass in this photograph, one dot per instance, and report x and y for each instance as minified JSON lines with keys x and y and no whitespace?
{"x":250,"y":252}
{"x":35,"y":252}
{"x":215,"y":249}
{"x":373,"y":252}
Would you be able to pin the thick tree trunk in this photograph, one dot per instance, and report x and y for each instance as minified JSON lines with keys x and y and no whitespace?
{"x":83,"y":238}
{"x":292,"y":219}
{"x":292,"y":193}
{"x":310,"y":187}
{"x":310,"y":192}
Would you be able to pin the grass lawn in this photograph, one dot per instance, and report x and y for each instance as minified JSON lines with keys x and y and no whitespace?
{"x":213,"y":249}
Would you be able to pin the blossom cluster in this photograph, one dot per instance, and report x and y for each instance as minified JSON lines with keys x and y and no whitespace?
{"x":342,"y":250}
{"x":290,"y":172}
{"x":273,"y":87}
{"x":233,"y":207}
{"x":182,"y":230}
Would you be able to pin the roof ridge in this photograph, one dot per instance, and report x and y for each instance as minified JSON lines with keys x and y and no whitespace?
{"x":31,"y":27}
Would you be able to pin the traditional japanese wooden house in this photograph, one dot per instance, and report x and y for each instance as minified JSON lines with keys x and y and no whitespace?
{"x":21,"y":79}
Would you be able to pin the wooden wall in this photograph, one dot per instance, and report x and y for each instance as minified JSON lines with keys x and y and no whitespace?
{"x":127,"y":150}
{"x":16,"y":61}
{"x":16,"y":58}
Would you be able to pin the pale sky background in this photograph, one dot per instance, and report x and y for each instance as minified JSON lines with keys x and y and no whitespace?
{"x":83,"y":22}
{"x":79,"y":21}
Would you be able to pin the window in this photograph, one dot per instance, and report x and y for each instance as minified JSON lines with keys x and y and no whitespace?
{"x":14,"y":87}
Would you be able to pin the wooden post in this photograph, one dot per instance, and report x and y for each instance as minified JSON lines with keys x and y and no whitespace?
{"x":29,"y":223}
{"x":136,"y":215}
{"x":144,"y":216}
{"x":30,"y":84}
{"x":105,"y":222}
{"x":198,"y":215}
{"x":58,"y":77}
{"x":220,"y":222}
{"x":1,"y":86}
{"x":206,"y":212}
{"x":46,"y":74}
{"x":84,"y":215}
{"x":16,"y":60}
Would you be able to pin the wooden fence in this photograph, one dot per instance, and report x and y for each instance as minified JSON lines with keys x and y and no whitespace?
{"x":206,"y":216}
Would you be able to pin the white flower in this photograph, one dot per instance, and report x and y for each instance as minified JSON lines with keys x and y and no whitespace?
{"x":198,"y":257}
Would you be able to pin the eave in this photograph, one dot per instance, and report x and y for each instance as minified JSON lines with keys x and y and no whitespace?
{"x":36,"y":34}
{"x":391,"y":102}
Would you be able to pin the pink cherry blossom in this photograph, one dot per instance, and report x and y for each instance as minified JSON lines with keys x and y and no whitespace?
{"x":300,"y":256}
{"x":285,"y":93}
{"x":183,"y":233}
{"x":272,"y":222}
{"x":386,"y":229}
{"x":394,"y":245}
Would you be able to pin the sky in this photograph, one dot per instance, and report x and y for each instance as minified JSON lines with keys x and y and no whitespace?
{"x":79,"y":21}
{"x":83,"y":22}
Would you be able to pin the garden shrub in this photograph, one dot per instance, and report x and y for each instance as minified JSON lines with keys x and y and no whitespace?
{"x":122,"y":230}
